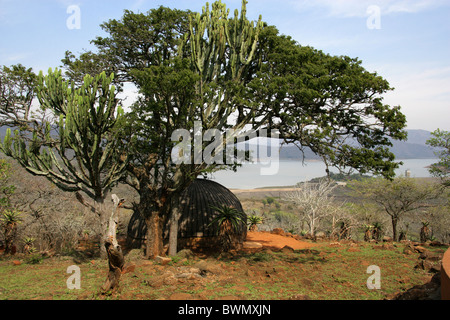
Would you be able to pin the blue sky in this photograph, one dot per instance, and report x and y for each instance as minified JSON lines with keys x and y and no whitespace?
{"x":405,"y":41}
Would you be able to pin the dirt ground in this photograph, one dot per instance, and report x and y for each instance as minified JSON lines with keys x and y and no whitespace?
{"x":275,"y":241}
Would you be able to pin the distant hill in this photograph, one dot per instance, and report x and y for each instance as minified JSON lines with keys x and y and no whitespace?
{"x":414,"y":148}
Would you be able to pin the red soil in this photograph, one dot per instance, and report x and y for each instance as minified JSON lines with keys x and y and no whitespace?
{"x":276,"y":241}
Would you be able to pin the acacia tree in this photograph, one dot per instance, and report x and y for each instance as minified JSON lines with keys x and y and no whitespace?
{"x":329,"y":104}
{"x":70,"y":140}
{"x":398,"y":196}
{"x":230,"y":73}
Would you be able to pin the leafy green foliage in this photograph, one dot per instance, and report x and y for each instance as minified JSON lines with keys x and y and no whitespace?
{"x":228,"y":221}
{"x":254,"y":220}
{"x":328,"y":103}
{"x":397,"y":197}
{"x":6,"y":189}
{"x":17,"y":91}
{"x":84,"y":121}
{"x":441,"y":169}
{"x":228,"y":214}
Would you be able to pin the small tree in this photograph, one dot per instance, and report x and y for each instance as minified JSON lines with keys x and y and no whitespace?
{"x":253,"y":222}
{"x":314,"y":201}
{"x":424,"y":231}
{"x":228,"y":221}
{"x":441,"y":169}
{"x":377,"y":231}
{"x":9,"y":220}
{"x":9,"y":216}
{"x":72,"y":143}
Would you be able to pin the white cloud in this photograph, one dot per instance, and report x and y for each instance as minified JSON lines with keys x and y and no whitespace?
{"x":423,"y":93}
{"x":358,"y":8}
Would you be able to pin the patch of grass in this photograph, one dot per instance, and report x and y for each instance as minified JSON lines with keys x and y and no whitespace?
{"x":327,"y":272}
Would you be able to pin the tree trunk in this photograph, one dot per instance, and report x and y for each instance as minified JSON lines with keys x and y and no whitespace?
{"x":424,"y":234}
{"x":113,"y":250}
{"x":10,"y":234}
{"x":394,"y":228}
{"x":367,"y":235}
{"x":154,"y":241}
{"x":227,"y":236}
{"x":103,"y":216}
{"x":175,"y":215}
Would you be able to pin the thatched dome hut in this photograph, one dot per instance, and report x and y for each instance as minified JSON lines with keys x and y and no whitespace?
{"x":196,"y":215}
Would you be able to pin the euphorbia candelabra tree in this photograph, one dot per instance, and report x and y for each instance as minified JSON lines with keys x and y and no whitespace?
{"x":72,"y":143}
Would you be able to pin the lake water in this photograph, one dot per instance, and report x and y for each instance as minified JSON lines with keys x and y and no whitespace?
{"x":291,"y":172}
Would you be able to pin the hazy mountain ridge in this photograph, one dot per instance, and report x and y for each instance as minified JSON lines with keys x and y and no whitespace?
{"x":414,"y":148}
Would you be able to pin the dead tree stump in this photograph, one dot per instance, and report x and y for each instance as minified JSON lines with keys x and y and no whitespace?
{"x":113,"y":250}
{"x":115,"y":263}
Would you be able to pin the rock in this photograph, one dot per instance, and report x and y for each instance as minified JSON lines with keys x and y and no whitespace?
{"x":428,"y":266}
{"x":427,"y":291}
{"x":163,"y":260}
{"x":427,"y":255}
{"x":186,"y":253}
{"x":252,"y":245}
{"x":335,"y":244}
{"x":320,"y":235}
{"x":436,"y":244}
{"x":188,"y":273}
{"x":287,"y":249}
{"x":134,"y":254}
{"x":166,"y":278}
{"x":419,"y":249}
{"x":278,"y":231}
{"x":207,"y":267}
{"x":409,"y":249}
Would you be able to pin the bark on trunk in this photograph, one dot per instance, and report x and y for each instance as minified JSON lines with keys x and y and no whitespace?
{"x":103,"y":216}
{"x":394,"y":228}
{"x":113,"y":250}
{"x":154,"y":241}
{"x":174,"y":218}
{"x":424,"y":234}
{"x":10,"y":234}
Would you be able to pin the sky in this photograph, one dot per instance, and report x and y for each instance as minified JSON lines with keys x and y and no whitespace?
{"x":405,"y":41}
